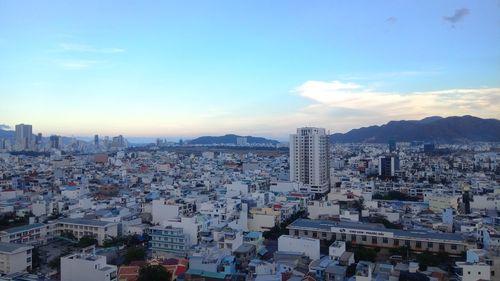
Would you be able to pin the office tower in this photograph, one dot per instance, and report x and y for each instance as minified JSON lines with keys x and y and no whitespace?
{"x":38,"y":138}
{"x":388,"y":165}
{"x":392,"y":146}
{"x":24,"y":136}
{"x":119,"y":142}
{"x":55,"y":142}
{"x":3,"y":144}
{"x":96,"y":140}
{"x":309,"y":163}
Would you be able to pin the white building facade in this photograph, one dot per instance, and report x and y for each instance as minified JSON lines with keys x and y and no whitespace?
{"x":309,"y":159}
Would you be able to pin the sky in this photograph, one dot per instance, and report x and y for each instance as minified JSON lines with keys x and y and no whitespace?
{"x":188,"y":68}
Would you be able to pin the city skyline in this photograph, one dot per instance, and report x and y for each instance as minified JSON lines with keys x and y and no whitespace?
{"x":179,"y":70}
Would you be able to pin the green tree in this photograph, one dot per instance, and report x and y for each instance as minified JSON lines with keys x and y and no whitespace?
{"x":55,"y":264}
{"x":276,"y":231}
{"x":153,"y":273}
{"x":426,"y":259}
{"x":35,"y":254}
{"x":365,"y":254}
{"x":86,"y":241}
{"x":135,"y":254}
{"x":68,"y":234}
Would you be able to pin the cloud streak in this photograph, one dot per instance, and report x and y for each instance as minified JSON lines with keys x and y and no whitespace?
{"x":458,"y":16}
{"x":4,"y":127}
{"x":82,"y":48}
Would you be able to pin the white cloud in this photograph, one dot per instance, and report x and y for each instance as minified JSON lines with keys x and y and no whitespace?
{"x":356,"y":105}
{"x":82,"y":48}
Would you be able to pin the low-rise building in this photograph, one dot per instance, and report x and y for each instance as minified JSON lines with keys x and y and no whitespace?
{"x":31,"y":234}
{"x":376,"y":235}
{"x":14,"y":258}
{"x":100,"y":230}
{"x":85,"y":267}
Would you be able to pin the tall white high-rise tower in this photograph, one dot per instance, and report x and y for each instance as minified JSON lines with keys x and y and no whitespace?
{"x":309,"y":162}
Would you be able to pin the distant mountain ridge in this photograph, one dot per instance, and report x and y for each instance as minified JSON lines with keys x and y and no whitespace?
{"x":431,"y":129}
{"x":230,"y":139}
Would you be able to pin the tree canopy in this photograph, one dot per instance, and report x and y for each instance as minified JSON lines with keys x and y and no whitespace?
{"x":153,"y":273}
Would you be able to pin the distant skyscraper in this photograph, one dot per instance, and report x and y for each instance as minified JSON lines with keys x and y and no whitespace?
{"x":309,"y":159}
{"x":388,"y":165}
{"x":119,"y":142}
{"x":55,"y":142}
{"x":96,"y":140}
{"x":392,"y":146}
{"x":24,"y":136}
{"x":38,"y":139}
{"x":3,"y":144}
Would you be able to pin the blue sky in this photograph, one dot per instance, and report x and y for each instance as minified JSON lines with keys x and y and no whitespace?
{"x":187,"y":68}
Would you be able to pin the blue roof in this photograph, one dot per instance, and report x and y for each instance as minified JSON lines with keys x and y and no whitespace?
{"x":85,"y":222}
{"x":253,"y":235}
{"x":153,"y":195}
{"x":24,"y":228}
{"x":262,"y":251}
{"x":217,"y":275}
{"x":11,"y":247}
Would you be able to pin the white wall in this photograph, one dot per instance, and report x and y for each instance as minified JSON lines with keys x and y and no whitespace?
{"x":162,"y":211}
{"x":322,"y":208}
{"x":307,"y":246}
{"x":78,"y":269}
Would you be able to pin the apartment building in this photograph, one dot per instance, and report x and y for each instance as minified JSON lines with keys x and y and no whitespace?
{"x":168,"y":240}
{"x":309,"y":159}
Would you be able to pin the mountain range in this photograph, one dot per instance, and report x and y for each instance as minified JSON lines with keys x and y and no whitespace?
{"x":230,"y":139}
{"x":431,"y":129}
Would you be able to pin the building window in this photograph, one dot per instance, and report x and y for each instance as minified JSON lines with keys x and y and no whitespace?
{"x":418,"y":244}
{"x":315,"y":234}
{"x":374,"y":240}
{"x":385,"y":240}
{"x":453,"y":246}
{"x":441,"y":246}
{"x":430,"y":245}
{"x":323,"y":234}
{"x":396,"y":242}
{"x":343,"y":237}
{"x":306,"y":232}
{"x":296,"y":232}
{"x":363,"y":238}
{"x":353,"y":238}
